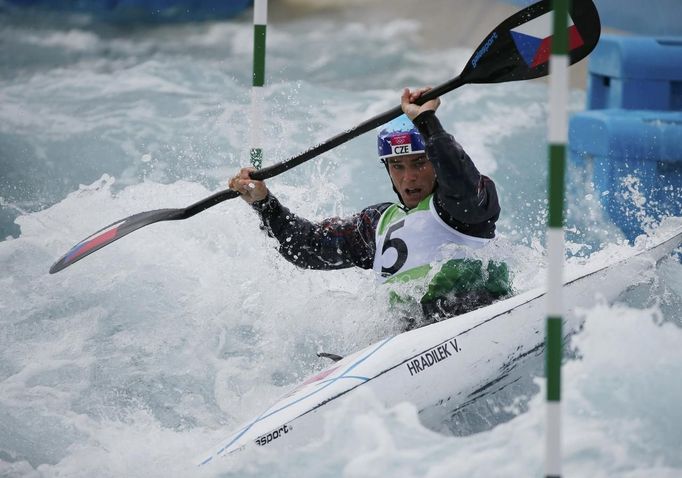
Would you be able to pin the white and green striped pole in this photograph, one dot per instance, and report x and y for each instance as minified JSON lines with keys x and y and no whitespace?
{"x":260,"y":24}
{"x":558,"y":136}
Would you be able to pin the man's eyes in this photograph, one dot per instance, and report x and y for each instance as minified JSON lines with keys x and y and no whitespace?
{"x":418,"y":164}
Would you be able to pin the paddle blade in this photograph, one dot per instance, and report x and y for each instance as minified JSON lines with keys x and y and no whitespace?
{"x":520,"y":47}
{"x":112,"y":233}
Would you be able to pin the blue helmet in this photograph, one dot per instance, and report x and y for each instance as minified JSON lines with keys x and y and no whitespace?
{"x":399,"y":138}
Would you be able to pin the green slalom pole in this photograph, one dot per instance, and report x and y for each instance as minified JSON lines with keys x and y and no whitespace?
{"x":557,"y":139}
{"x":260,"y":24}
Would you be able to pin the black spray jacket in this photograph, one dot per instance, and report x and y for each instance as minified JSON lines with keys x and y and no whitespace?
{"x":466,"y":200}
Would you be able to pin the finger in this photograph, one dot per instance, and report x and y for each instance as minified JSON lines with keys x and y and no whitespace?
{"x":405,"y":98}
{"x":239,"y":185}
{"x":424,"y":90}
{"x":247,"y":185}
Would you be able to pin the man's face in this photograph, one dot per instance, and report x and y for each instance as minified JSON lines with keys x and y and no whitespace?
{"x":413,"y":176}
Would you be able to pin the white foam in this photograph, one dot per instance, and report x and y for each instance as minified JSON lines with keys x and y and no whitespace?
{"x":617,"y":423}
{"x":140,"y":356}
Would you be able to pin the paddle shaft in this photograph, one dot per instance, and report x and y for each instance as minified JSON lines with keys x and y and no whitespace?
{"x":502,"y":56}
{"x":331,"y":143}
{"x":339,"y":139}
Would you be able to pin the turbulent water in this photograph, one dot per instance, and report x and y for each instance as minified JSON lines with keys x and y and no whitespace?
{"x":144,"y":355}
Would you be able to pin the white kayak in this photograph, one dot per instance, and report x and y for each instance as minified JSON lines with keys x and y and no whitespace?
{"x":448,"y":364}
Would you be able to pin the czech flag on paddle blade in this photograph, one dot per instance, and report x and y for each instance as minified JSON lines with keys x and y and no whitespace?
{"x":534,"y":39}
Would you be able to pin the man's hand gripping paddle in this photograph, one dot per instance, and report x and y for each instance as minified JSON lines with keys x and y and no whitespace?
{"x":518,"y":49}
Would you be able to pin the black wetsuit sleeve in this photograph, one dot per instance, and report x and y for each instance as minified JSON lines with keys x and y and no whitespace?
{"x":330,"y":244}
{"x":464,"y":198}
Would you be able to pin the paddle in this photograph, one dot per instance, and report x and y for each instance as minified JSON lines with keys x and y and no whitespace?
{"x":518,"y":49}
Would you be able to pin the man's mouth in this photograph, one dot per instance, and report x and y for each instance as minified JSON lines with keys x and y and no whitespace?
{"x":411,"y":192}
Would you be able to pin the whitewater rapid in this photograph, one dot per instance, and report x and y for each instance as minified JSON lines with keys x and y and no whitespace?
{"x":142,"y":356}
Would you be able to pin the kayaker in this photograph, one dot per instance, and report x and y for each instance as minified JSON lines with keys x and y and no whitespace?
{"x":428,"y":246}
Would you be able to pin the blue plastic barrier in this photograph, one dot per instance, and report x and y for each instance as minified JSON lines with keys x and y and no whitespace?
{"x":631,"y":136}
{"x":143,"y":10}
{"x":636,"y":73}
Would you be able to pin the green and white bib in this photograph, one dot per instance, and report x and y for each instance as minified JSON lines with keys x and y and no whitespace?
{"x":410,"y":241}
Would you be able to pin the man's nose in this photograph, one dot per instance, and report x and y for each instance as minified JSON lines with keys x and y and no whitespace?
{"x":411,"y":173}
